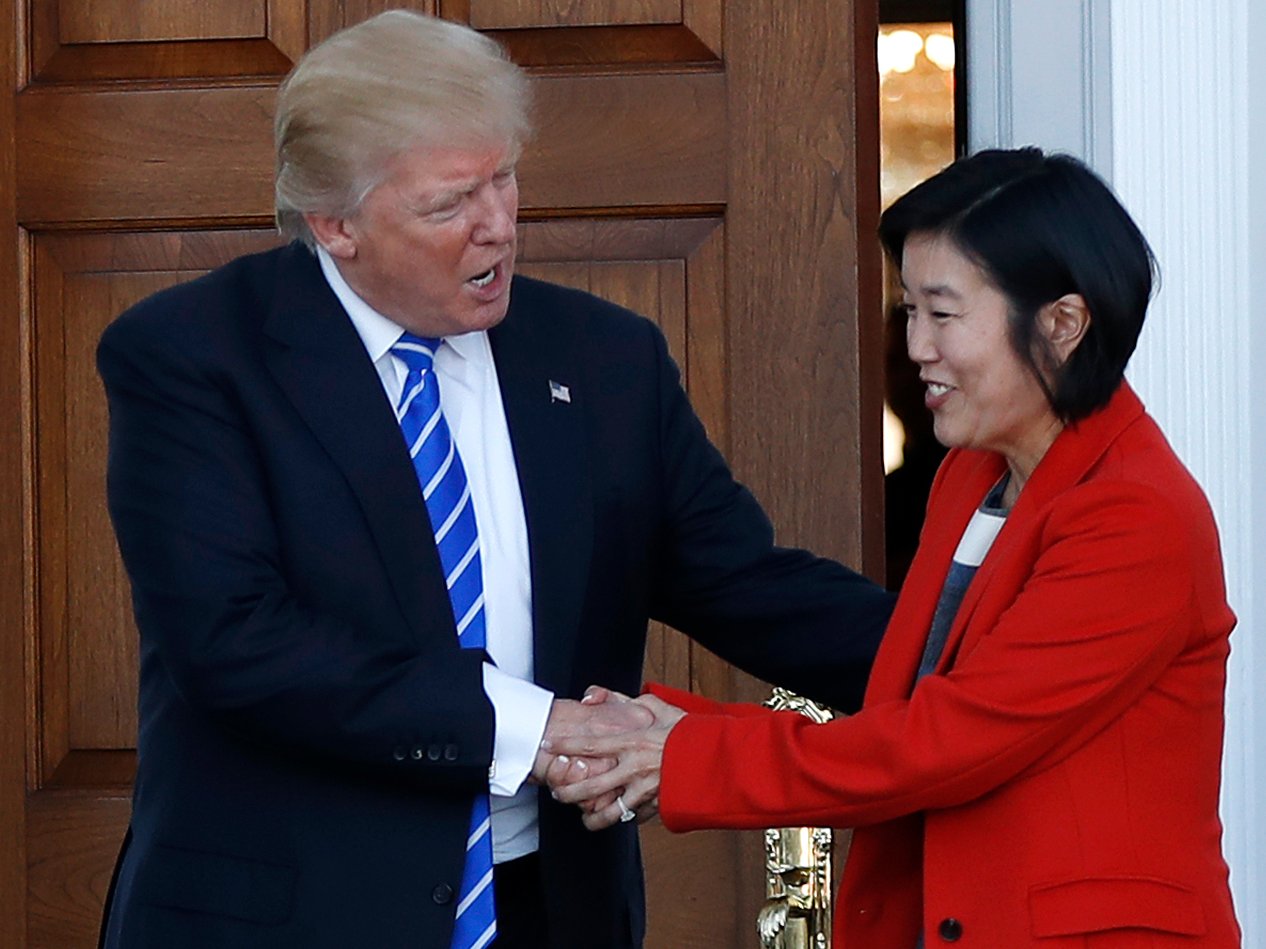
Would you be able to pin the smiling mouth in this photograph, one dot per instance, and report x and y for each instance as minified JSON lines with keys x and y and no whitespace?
{"x":938,"y":388}
{"x":484,"y":278}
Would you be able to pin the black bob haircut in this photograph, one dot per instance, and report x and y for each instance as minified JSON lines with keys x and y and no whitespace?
{"x":1041,"y":226}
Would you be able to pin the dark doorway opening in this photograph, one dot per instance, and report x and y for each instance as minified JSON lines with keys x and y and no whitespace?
{"x":922,"y":129}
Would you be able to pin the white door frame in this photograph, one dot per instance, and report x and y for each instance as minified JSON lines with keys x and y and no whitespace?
{"x":1156,"y":95}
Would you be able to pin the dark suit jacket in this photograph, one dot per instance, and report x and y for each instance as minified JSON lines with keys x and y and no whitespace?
{"x":310,"y":731}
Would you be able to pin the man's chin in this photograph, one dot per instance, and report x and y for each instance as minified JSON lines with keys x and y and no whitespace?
{"x":490,"y":317}
{"x":481,"y":319}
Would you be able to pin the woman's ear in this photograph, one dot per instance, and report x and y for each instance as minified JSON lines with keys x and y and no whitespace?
{"x":1064,"y":323}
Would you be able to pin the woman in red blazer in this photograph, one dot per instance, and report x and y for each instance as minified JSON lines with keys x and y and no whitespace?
{"x":1037,"y":761}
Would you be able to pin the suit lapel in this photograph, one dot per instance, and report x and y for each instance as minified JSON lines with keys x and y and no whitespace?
{"x":321,"y":365}
{"x":547,"y":432}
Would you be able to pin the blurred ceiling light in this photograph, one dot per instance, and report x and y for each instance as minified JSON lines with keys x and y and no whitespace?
{"x":940,"y":49}
{"x":894,"y":441}
{"x":898,"y":49}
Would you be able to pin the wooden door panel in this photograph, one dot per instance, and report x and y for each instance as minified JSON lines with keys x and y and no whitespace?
{"x":562,"y":33}
{"x":622,"y":30}
{"x":95,"y":40}
{"x":676,"y":160}
{"x":695,"y":160}
{"x":517,"y":14}
{"x":157,"y":155}
{"x":702,"y":889}
{"x":121,"y":21}
{"x":72,"y":839}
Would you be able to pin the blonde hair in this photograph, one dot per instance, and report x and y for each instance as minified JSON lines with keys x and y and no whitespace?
{"x":397,"y":81}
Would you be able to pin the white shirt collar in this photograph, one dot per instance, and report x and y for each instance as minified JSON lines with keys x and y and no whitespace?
{"x":376,"y":331}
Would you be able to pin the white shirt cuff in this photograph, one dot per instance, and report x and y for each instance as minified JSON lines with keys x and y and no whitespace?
{"x":521,"y":710}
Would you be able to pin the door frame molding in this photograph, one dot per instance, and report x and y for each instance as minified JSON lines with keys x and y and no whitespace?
{"x":1050,"y":74}
{"x":15,"y":544}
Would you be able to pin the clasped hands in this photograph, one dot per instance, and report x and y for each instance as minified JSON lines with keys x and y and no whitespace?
{"x":605,"y":753}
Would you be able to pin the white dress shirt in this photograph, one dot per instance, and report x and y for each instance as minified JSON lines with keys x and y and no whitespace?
{"x":470,"y":397}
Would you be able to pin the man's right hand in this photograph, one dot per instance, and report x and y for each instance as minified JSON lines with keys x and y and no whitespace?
{"x":601,"y":713}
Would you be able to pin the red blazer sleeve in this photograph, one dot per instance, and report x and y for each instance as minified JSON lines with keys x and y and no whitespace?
{"x":1067,"y":656}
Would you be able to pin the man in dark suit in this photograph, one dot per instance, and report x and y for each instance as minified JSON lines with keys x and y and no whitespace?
{"x":317,"y":724}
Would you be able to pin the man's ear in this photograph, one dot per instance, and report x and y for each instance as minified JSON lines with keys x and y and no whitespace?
{"x":1064,"y":323}
{"x":333,"y":234}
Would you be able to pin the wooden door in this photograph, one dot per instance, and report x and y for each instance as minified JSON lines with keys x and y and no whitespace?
{"x":710,"y":163}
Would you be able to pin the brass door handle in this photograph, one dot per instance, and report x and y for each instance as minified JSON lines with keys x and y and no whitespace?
{"x":797,"y":909}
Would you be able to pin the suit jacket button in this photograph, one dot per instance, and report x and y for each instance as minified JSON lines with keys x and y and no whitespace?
{"x":442,"y":894}
{"x":416,"y":753}
{"x":434,"y":753}
{"x":951,"y":930}
{"x":450,"y":752}
{"x":399,"y":753}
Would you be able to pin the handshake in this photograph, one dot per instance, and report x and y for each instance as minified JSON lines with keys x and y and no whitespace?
{"x":604,"y":753}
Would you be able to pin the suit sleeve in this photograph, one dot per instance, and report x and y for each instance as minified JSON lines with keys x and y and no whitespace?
{"x":1068,"y":657}
{"x":800,"y":621}
{"x":194,"y":515}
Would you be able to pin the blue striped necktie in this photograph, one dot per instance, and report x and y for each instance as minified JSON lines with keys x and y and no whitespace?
{"x":452,"y":512}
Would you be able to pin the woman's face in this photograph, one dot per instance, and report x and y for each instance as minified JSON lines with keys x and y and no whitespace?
{"x":980,"y":393}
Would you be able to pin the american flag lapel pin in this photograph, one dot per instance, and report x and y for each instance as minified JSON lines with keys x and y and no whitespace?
{"x":559,"y":392}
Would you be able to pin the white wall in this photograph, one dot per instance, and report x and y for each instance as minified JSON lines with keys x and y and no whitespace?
{"x":1251,"y":855}
{"x":1156,"y":95}
{"x":1182,"y":162}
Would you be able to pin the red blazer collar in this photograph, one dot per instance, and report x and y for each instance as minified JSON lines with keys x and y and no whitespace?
{"x":962,"y":482}
{"x":1078,"y":449}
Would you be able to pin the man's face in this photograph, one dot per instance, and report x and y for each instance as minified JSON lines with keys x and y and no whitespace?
{"x":432,"y":247}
